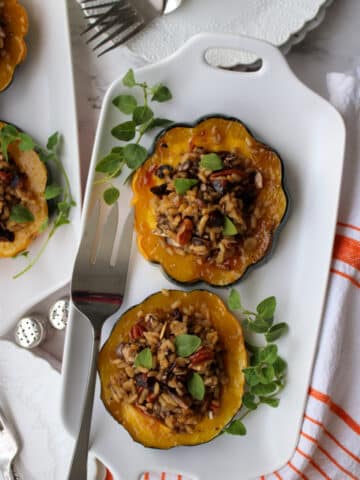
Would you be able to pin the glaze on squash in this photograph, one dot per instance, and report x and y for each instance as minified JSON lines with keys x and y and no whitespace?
{"x":30,"y":164}
{"x":16,"y":27}
{"x":148,"y":430}
{"x":169,"y":149}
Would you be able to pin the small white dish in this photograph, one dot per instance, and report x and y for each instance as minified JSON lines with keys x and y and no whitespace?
{"x":40,"y":101}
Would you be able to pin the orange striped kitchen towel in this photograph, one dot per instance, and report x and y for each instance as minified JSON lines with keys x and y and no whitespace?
{"x":329,"y":443}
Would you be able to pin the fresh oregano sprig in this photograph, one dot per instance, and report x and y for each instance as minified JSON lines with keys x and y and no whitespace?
{"x":61,"y":195}
{"x":266,"y":375}
{"x":143,"y":119}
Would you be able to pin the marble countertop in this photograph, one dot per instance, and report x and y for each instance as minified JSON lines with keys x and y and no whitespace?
{"x":333,"y":46}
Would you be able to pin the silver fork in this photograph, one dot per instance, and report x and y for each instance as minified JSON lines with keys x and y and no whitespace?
{"x":97,"y":290}
{"x":8,"y":449}
{"x":118,"y":20}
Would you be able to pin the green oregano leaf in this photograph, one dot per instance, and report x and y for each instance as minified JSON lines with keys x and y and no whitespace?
{"x":161,"y":93}
{"x":258,"y":325}
{"x":154,"y":123}
{"x":211,"y":161}
{"x":125,"y":103}
{"x":196,"y":387}
{"x":272,"y":402}
{"x":267,"y":374}
{"x":266,"y":308}
{"x":234,"y":300}
{"x":142,"y":115}
{"x":276,"y":331}
{"x":251,"y":376}
{"x":254,"y":359}
{"x":229,"y":227}
{"x":249,"y":401}
{"x":53,"y":191}
{"x":264,"y":389}
{"x":21,"y":214}
{"x":236,"y":427}
{"x":280,"y":366}
{"x":111,"y":195}
{"x":129,"y":78}
{"x":144,"y":359}
{"x":125,"y":131}
{"x":135,"y":155}
{"x":186,"y":344}
{"x":53,"y":141}
{"x":182,"y":185}
{"x":268,"y":354}
{"x":109,"y":164}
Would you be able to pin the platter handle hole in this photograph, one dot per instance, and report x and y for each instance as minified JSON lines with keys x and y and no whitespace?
{"x":233,"y":59}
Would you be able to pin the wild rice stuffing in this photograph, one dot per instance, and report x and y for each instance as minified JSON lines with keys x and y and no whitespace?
{"x":193,"y":222}
{"x":13,"y":191}
{"x":2,"y":30}
{"x":163,"y":390}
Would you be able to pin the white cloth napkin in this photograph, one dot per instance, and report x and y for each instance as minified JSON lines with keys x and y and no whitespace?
{"x":329,"y":443}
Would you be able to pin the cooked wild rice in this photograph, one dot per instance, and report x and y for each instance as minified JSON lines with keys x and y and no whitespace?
{"x":162,"y":390}
{"x":13,"y":190}
{"x":194,"y":222}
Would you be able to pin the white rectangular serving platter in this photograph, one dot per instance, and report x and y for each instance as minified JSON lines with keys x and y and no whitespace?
{"x":309,"y":135}
{"x":40,"y":101}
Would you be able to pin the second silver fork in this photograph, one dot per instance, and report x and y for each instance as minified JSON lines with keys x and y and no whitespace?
{"x":119,"y":20}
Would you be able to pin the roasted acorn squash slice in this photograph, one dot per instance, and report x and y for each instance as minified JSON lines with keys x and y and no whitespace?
{"x":212,"y":134}
{"x":148,"y":430}
{"x":30,"y":164}
{"x":15,"y":24}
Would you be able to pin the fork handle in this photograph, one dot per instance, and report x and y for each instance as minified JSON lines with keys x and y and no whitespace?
{"x":78,"y":468}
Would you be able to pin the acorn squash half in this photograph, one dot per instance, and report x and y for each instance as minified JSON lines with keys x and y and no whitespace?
{"x":15,"y":24}
{"x":213,"y":134}
{"x":28,"y":163}
{"x":148,"y":430}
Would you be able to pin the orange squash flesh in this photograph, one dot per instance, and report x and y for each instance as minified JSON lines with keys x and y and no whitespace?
{"x":148,"y":430}
{"x":16,"y":26}
{"x":29,"y":163}
{"x":169,"y":149}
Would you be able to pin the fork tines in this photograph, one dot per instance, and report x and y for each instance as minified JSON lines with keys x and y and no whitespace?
{"x":114,"y":20}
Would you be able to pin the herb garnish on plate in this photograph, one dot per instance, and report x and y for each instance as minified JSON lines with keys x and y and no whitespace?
{"x":143,"y":119}
{"x":265,"y":378}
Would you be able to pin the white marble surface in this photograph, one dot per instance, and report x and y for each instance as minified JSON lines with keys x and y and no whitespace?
{"x":333,"y":46}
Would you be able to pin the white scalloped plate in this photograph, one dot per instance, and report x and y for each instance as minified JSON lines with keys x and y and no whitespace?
{"x":282,"y":23}
{"x":309,"y":135}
